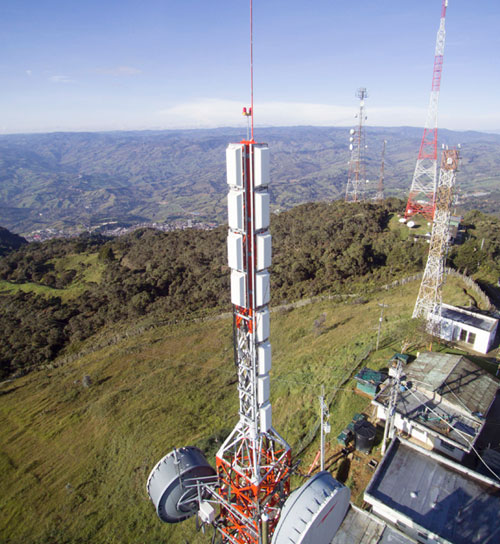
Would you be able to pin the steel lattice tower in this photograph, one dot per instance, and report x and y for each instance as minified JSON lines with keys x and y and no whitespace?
{"x":254,"y":463}
{"x":430,"y":296}
{"x":380,"y":190}
{"x":356,"y":178}
{"x":421,"y":199}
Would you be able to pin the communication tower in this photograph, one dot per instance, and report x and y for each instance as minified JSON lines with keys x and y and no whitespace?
{"x":356,"y":179}
{"x":428,"y":305}
{"x":380,"y":190}
{"x":421,"y":199}
{"x":247,"y":498}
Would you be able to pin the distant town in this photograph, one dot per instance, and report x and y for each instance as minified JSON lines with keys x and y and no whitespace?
{"x":115,"y":228}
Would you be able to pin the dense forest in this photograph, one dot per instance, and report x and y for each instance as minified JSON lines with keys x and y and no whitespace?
{"x":57,"y":293}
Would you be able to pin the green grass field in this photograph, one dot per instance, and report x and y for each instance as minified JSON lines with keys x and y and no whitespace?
{"x":88,"y":270}
{"x":74,"y":460}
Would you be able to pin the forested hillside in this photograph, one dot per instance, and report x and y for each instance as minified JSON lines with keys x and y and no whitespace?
{"x":81,"y":180}
{"x":56,"y":294}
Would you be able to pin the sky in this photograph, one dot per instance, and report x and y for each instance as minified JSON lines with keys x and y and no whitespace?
{"x":161,"y":64}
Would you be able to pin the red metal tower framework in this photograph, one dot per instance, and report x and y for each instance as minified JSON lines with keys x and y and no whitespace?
{"x":421,"y":199}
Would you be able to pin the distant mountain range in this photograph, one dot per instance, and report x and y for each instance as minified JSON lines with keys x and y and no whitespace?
{"x":79,"y":180}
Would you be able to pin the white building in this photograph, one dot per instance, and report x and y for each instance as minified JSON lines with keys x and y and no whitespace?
{"x":471,"y":330}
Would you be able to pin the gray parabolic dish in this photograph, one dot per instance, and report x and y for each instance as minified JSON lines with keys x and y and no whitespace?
{"x":168,"y":481}
{"x":313,"y":513}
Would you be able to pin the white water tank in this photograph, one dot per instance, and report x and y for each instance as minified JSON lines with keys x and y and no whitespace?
{"x":261,"y":166}
{"x":234,"y":165}
{"x":261,"y":201}
{"x":264,"y":251}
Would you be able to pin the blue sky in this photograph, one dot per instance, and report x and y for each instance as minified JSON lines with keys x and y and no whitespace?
{"x":130,"y":64}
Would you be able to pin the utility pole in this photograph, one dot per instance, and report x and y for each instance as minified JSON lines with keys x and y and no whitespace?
{"x":325,"y":426}
{"x":380,"y":319}
{"x":391,"y":408}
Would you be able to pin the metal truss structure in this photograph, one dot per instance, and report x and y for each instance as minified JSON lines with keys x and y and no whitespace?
{"x":356,"y":179}
{"x":254,"y":462}
{"x":421,"y":199}
{"x":429,"y":300}
{"x":380,"y":190}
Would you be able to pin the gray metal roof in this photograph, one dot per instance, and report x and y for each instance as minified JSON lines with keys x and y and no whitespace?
{"x":477,"y":320}
{"x":474,"y":387}
{"x":456,"y":379}
{"x":360,"y":527}
{"x":438,"y":496}
{"x":416,"y":406}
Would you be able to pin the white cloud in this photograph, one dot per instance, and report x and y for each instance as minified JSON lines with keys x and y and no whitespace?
{"x":61,"y":79}
{"x":29,"y":72}
{"x":214,"y":112}
{"x":120,"y":71}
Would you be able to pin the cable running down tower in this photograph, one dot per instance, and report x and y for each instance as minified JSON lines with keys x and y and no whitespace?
{"x":421,"y":199}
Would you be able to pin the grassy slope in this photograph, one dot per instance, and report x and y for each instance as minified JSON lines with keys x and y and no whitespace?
{"x":75,"y":460}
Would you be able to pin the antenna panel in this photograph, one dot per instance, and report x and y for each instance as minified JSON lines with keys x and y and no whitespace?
{"x":266,"y":417}
{"x":235,"y":209}
{"x":261,"y":211}
{"x":262,"y":294}
{"x":264,"y":251}
{"x":238,"y":290}
{"x":263,"y":322}
{"x":234,"y":165}
{"x":261,"y":166}
{"x":263,"y":389}
{"x":264,"y":357}
{"x":235,"y":250}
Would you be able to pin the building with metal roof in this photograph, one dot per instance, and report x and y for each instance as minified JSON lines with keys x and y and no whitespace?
{"x":469,"y":329}
{"x":362,"y":527}
{"x":433,"y":499}
{"x":443,"y":402}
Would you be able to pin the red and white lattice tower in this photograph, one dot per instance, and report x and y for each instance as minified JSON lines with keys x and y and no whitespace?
{"x":356,"y":178}
{"x":429,"y":300}
{"x":254,"y":462}
{"x":423,"y":188}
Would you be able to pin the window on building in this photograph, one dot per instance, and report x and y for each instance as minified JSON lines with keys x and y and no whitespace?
{"x":422,"y":535}
{"x":472,"y":338}
{"x":463,"y":335}
{"x":447,"y":445}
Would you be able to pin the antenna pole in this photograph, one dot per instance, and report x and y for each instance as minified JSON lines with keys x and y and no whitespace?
{"x":251,"y":66}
